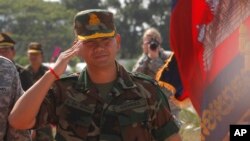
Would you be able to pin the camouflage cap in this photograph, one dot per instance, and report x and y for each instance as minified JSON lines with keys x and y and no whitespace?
{"x":6,"y":41}
{"x":94,"y":23}
{"x":35,"y":47}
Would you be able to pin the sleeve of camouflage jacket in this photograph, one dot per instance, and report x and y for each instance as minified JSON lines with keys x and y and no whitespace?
{"x":163,"y":121}
{"x":47,"y":111}
{"x":10,"y":91}
{"x":162,"y":124}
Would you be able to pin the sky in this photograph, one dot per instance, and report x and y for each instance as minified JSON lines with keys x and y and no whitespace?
{"x":52,"y":0}
{"x":144,"y":2}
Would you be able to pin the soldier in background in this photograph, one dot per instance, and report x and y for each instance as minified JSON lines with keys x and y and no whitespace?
{"x":7,"y":50}
{"x":10,"y":91}
{"x":153,"y":55}
{"x":35,"y":56}
{"x":161,"y":65}
{"x":37,"y":69}
{"x":104,"y":102}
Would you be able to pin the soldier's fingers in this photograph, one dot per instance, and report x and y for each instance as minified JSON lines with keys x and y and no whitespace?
{"x":69,"y":53}
{"x":74,"y":49}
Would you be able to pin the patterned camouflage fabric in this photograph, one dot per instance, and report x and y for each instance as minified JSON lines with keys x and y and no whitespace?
{"x":10,"y":91}
{"x":150,"y":66}
{"x":134,"y":110}
{"x":43,"y":134}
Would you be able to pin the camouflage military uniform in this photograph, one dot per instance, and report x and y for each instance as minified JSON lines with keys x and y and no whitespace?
{"x":134,"y":109}
{"x":150,"y":66}
{"x":38,"y":74}
{"x":10,"y":91}
{"x":25,"y":77}
{"x":45,"y":133}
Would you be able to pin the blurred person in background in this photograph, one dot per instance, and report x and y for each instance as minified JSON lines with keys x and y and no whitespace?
{"x":161,"y":65}
{"x":153,"y":55}
{"x":10,"y":91}
{"x":35,"y":56}
{"x":7,"y":50}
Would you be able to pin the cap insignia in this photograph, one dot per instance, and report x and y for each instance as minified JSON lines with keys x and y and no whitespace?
{"x":94,"y":20}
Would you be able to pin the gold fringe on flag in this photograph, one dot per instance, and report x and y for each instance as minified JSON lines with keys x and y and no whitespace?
{"x":159,"y":74}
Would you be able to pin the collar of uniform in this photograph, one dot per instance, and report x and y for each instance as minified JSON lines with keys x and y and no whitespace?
{"x":84,"y":80}
{"x":123,"y":79}
{"x":41,"y":69}
{"x":164,"y":54}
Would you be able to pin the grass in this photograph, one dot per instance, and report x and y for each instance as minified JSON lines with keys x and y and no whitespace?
{"x":190,"y":128}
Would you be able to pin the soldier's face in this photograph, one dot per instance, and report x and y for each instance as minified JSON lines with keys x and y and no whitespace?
{"x":35,"y":58}
{"x":101,"y":51}
{"x":7,"y":52}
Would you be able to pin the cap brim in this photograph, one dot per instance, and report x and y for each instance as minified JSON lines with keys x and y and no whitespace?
{"x":6,"y":44}
{"x":96,"y":35}
{"x":34,"y":51}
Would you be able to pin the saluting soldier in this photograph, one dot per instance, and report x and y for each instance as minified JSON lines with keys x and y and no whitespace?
{"x":104,"y":102}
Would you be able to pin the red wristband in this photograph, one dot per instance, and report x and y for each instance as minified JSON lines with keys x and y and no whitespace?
{"x":54,"y":73}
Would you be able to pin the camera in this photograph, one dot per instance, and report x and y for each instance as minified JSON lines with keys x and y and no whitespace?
{"x":153,"y":44}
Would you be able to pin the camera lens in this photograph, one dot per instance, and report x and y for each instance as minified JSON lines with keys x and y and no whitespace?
{"x":153,"y":44}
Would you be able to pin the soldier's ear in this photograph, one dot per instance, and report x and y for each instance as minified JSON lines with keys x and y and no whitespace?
{"x":14,"y":51}
{"x":118,"y":40}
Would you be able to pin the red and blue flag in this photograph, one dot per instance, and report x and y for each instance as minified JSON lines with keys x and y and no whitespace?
{"x":211,"y":41}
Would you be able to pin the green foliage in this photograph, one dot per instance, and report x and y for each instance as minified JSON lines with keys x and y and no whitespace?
{"x":50,"y":23}
{"x":80,"y":5}
{"x":21,"y":60}
{"x":134,"y":16}
{"x":35,"y":20}
{"x":190,"y":129}
{"x":130,"y":64}
{"x":127,"y":63}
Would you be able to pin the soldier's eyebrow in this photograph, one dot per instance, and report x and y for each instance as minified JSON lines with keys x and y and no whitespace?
{"x":105,"y":38}
{"x":88,"y":41}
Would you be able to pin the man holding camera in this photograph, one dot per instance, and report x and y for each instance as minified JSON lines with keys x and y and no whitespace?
{"x":162,"y":66}
{"x":153,"y":56}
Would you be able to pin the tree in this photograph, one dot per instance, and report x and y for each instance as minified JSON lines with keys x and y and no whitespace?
{"x":134,"y":16}
{"x":80,"y":5}
{"x":51,"y":23}
{"x":36,"y":20}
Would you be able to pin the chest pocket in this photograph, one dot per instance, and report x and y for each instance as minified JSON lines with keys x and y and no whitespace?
{"x":134,"y":120}
{"x":75,"y":118}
